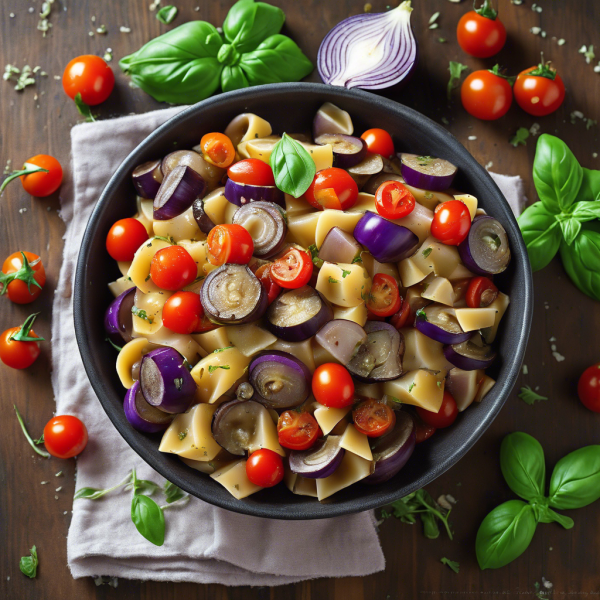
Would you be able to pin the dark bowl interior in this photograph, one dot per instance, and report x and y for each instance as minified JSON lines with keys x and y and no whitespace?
{"x":291,"y":107}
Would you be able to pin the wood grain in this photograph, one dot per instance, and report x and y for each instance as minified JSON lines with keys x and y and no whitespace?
{"x":30,"y":125}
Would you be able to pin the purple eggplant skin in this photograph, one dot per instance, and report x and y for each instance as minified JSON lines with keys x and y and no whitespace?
{"x":118,"y":321}
{"x":233,"y":423}
{"x":165,"y":381}
{"x":481,"y":357}
{"x":374,"y":182}
{"x":339,"y":246}
{"x":319,"y":461}
{"x":392,"y":450}
{"x":147,"y":178}
{"x":437,"y":333}
{"x":271,"y":239}
{"x":348,"y":150}
{"x":385,"y":240}
{"x":240,"y":193}
{"x":141,"y":415}
{"x":478,"y":255}
{"x":177,"y":193}
{"x":189,"y":158}
{"x":340,"y":338}
{"x":204,"y":222}
{"x":427,"y":172}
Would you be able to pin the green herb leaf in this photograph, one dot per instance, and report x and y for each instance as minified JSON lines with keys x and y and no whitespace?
{"x":182,"y":435}
{"x":520,"y":138}
{"x":581,"y":259}
{"x":213,"y":368}
{"x":222,"y":349}
{"x":118,"y":348}
{"x":332,"y":280}
{"x":138,"y":312}
{"x":88,"y":493}
{"x":39,"y":441}
{"x":529,"y":396}
{"x":570,"y":227}
{"x":172,"y":492}
{"x":523,"y":465}
{"x":427,"y":252}
{"x":430,"y":527}
{"x":421,"y":314}
{"x":27,"y":169}
{"x":590,"y":185}
{"x":345,"y":273}
{"x":166,"y":14}
{"x":455,"y":566}
{"x":456,"y":69}
{"x":83,"y":109}
{"x":293,"y":168}
{"x":411,"y":386}
{"x":357,"y":259}
{"x":29,"y":564}
{"x":27,"y":436}
{"x":25,"y":273}
{"x":541,"y":233}
{"x":314,"y":253}
{"x":148,"y":519}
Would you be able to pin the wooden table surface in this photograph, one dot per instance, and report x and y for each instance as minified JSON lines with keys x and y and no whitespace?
{"x":38,"y":120}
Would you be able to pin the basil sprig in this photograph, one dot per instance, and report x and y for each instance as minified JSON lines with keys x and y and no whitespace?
{"x":293,"y":168}
{"x":29,"y":564}
{"x":507,"y":531}
{"x":189,"y":63}
{"x":565,"y":219}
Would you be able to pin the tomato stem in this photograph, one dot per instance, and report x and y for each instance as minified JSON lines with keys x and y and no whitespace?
{"x":496,"y":71}
{"x":25,"y":273}
{"x":26,"y":433}
{"x":544,"y":69}
{"x":23,"y":334}
{"x":486,"y":10}
{"x":28,"y":169}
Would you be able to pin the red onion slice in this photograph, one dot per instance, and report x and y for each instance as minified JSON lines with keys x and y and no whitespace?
{"x":202,"y":219}
{"x":339,"y":246}
{"x":485,"y":250}
{"x":427,"y":172}
{"x":141,"y":415}
{"x":319,"y":461}
{"x":147,"y":178}
{"x":188,"y":158}
{"x":118,"y":321}
{"x":177,"y":193}
{"x":265,"y":223}
{"x":348,"y":150}
{"x":332,"y":119}
{"x":341,"y":338}
{"x":240,"y":193}
{"x":469,"y":356}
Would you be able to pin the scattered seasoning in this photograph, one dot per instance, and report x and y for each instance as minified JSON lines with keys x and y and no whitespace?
{"x":345,"y":273}
{"x":332,"y":280}
{"x":489,"y":165}
{"x":167,"y":14}
{"x":529,"y":396}
{"x":59,"y":488}
{"x":155,"y":4}
{"x":594,"y":155}
{"x":534,"y":129}
{"x":558,"y":356}
{"x":517,"y":2}
{"x":23,"y":77}
{"x":125,"y":29}
{"x":455,"y":566}
{"x":445,"y":121}
{"x":43,"y":482}
{"x":525,"y":370}
{"x":141,"y":314}
{"x":44,"y":25}
{"x":410,"y":388}
{"x":178,"y":381}
{"x":472,"y":138}
{"x":444,"y":503}
{"x":536,"y":30}
{"x":101,"y":30}
{"x":434,"y":17}
{"x":536,"y":8}
{"x":588,"y":52}
{"x":561,"y":42}
{"x":213,"y":368}
{"x":59,"y":474}
{"x":368,"y":7}
{"x":520,"y":137}
{"x":182,"y":435}
{"x":427,"y":252}
{"x":442,"y":40}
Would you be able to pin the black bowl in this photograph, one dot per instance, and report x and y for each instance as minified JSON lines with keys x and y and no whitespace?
{"x":291,"y":107}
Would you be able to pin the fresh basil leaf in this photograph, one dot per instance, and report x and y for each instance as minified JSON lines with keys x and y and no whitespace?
{"x":145,"y":485}
{"x":148,"y":519}
{"x":89,"y":493}
{"x":586,"y":211}
{"x":277,"y":59}
{"x":456,"y":69}
{"x":590,"y":185}
{"x":172,"y":492}
{"x":556,"y":173}
{"x":166,"y":14}
{"x":180,"y":66}
{"x":29,"y":564}
{"x":248,"y":23}
{"x":575,"y":481}
{"x":454,"y":565}
{"x":233,"y":78}
{"x":505,"y":534}
{"x":293,"y":168}
{"x":523,"y":465}
{"x":570,"y":227}
{"x":581,"y":259}
{"x":541,"y":234}
{"x":83,"y":109}
{"x":547,"y":515}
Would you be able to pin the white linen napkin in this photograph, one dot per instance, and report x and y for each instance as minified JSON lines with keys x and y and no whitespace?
{"x":513,"y":189}
{"x":203,"y":544}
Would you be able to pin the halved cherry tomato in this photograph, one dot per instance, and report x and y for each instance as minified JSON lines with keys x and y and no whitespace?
{"x":65,"y":436}
{"x":42,"y":184}
{"x":264,"y":468}
{"x":23,"y":278}
{"x":332,"y":188}
{"x":446,"y":415}
{"x":89,"y":76}
{"x":183,"y":312}
{"x":293,"y":269}
{"x":18,"y":346}
{"x":124,"y":238}
{"x":217,"y":149}
{"x":480,"y":33}
{"x":272,"y":288}
{"x":393,"y":200}
{"x":297,"y":431}
{"x":588,"y":388}
{"x":373,"y":418}
{"x":384,"y":299}
{"x":451,"y":222}
{"x":173,"y":268}
{"x":379,"y":141}
{"x":332,"y":386}
{"x":423,"y":431}
{"x":539,"y":90}
{"x":481,"y":292}
{"x":251,"y":171}
{"x":486,"y":95}
{"x":229,"y":244}
{"x":403,"y":317}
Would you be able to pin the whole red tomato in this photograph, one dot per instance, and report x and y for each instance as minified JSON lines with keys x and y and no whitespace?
{"x":588,"y":388}
{"x":23,"y":277}
{"x":480,"y":33}
{"x":89,"y":76}
{"x":539,"y":90}
{"x":65,"y":436}
{"x":486,"y":95}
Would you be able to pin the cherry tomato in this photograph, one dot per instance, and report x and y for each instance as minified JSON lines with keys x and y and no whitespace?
{"x":379,"y":141}
{"x":26,"y":277}
{"x":446,"y":415}
{"x":393,"y":200}
{"x":332,"y":386}
{"x":588,"y":388}
{"x":65,"y":436}
{"x":269,"y":284}
{"x":42,"y":184}
{"x":480,"y":33}
{"x":403,"y":318}
{"x":183,"y":312}
{"x":332,"y":188}
{"x":297,"y":431}
{"x":293,"y":270}
{"x":229,"y":244}
{"x":486,"y":95}
{"x":422,"y":430}
{"x":173,"y":268}
{"x":539,"y":91}
{"x":18,"y":348}
{"x":451,"y":222}
{"x":264,"y":468}
{"x":217,"y":149}
{"x":384,"y":299}
{"x":89,"y":76}
{"x":481,"y":292}
{"x":124,"y":239}
{"x":373,"y":418}
{"x":251,"y":171}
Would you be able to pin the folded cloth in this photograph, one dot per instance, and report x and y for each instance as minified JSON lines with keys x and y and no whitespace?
{"x":513,"y":189}
{"x":203,"y":544}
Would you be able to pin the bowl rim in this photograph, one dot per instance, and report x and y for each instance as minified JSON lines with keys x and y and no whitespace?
{"x":305,"y":510}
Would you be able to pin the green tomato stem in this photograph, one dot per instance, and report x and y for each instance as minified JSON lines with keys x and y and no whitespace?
{"x":27,"y":170}
{"x":27,"y":436}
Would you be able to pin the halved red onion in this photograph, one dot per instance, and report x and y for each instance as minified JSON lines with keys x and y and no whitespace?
{"x":232,"y":295}
{"x":265,"y":223}
{"x":234,"y":424}
{"x":385,"y":240}
{"x":177,"y":193}
{"x":320,"y":460}
{"x":348,"y":150}
{"x":147,"y":178}
{"x":427,"y":172}
{"x":371,"y":51}
{"x":332,"y":119}
{"x":141,"y":415}
{"x":240,"y":193}
{"x":188,"y":158}
{"x":440,"y":324}
{"x":339,"y":246}
{"x":341,"y":338}
{"x":297,"y":315}
{"x":118,"y":321}
{"x":379,"y":358}
{"x":204,"y":221}
{"x":166,"y":382}
{"x":485,"y":250}
{"x":280,"y":380}
{"x":469,"y":356}
{"x":392,"y":450}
